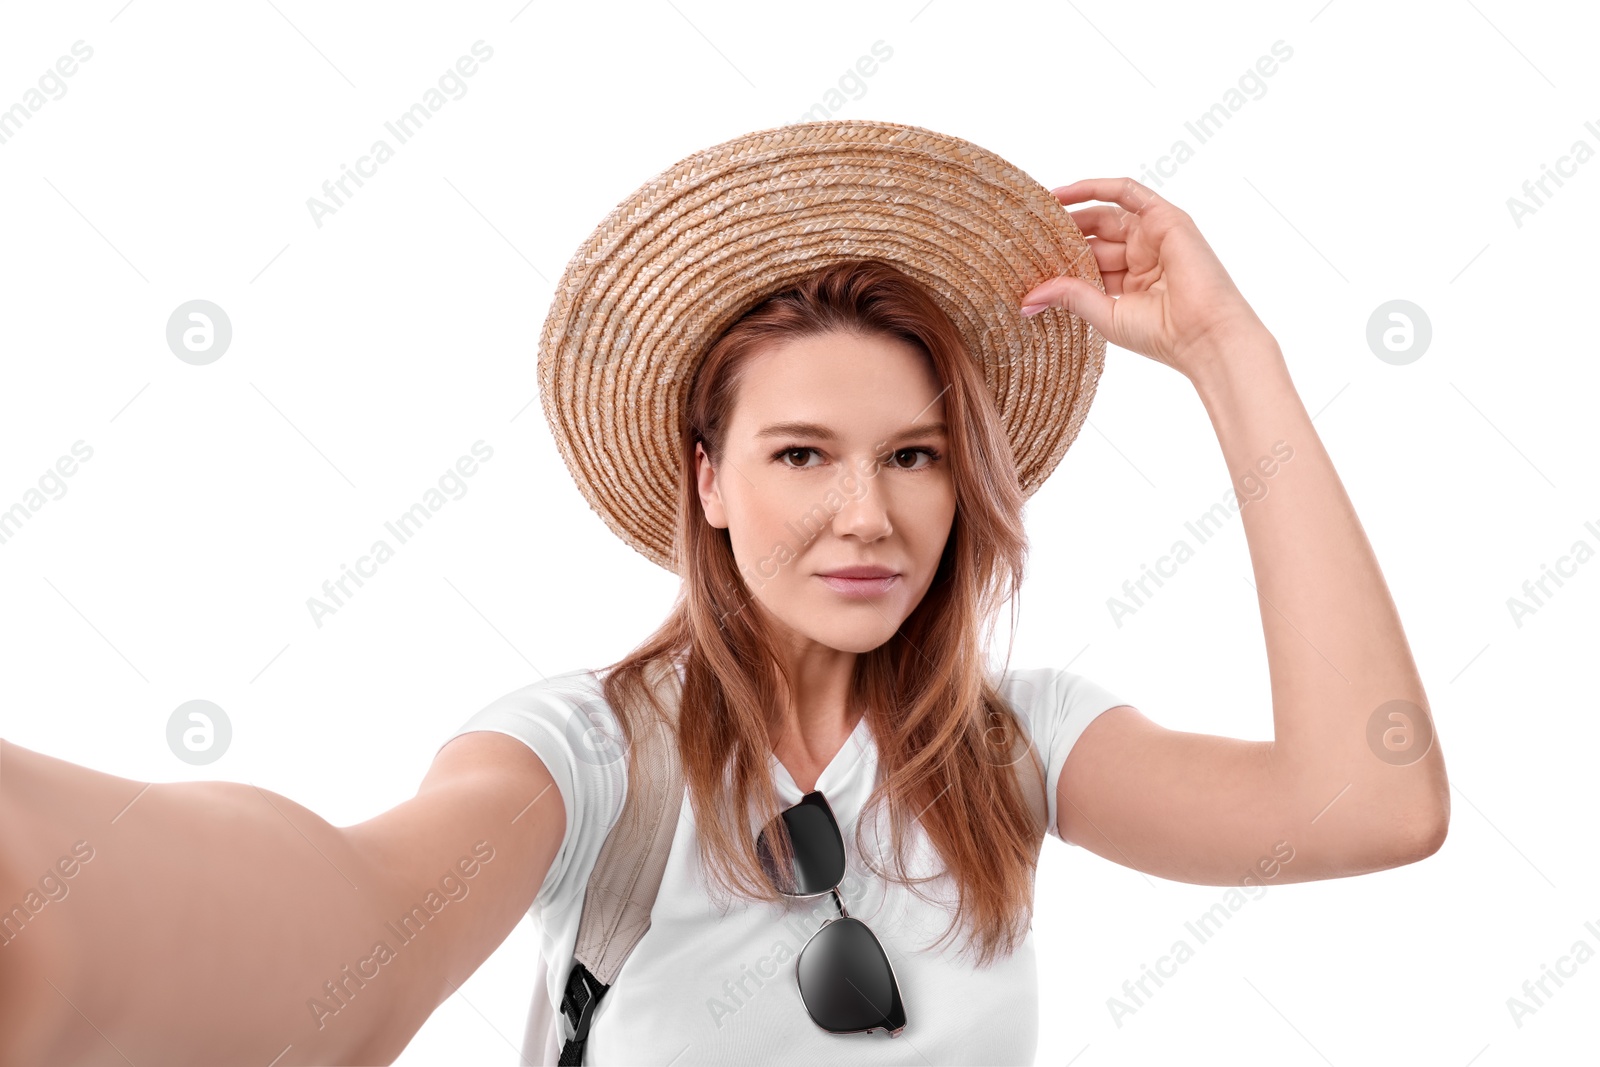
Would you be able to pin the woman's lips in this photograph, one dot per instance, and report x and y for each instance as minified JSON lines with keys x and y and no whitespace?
{"x":860,"y":587}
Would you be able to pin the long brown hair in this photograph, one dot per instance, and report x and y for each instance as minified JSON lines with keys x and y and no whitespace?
{"x":946,"y":739}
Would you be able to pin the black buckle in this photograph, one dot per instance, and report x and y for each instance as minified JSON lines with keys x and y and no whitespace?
{"x":578,"y":1002}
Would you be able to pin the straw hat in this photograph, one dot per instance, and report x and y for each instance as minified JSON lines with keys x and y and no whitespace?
{"x":684,"y":256}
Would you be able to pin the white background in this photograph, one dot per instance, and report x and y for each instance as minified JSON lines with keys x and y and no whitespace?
{"x":372,"y":351}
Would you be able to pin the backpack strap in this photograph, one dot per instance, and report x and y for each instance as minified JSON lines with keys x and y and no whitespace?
{"x":627,"y":875}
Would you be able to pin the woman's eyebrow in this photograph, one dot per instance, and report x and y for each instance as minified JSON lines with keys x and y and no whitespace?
{"x":822,"y":433}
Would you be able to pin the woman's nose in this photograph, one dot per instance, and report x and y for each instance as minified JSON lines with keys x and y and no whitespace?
{"x":865,"y":511}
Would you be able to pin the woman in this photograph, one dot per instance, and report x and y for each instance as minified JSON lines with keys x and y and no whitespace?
{"x":200,"y":927}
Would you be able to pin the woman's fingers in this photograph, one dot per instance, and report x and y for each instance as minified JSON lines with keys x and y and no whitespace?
{"x":1111,"y":260}
{"x":1109,"y":255}
{"x":1125,"y":192}
{"x":1081,"y":298}
{"x":1107,"y":228}
{"x":1102,"y":220}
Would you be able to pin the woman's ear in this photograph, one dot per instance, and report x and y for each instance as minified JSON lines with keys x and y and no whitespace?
{"x":706,"y":481}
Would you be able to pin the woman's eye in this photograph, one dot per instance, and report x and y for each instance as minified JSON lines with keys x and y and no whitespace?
{"x":929,"y":453}
{"x":789,"y":453}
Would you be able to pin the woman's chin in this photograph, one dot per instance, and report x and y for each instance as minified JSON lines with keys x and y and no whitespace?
{"x":851,"y":635}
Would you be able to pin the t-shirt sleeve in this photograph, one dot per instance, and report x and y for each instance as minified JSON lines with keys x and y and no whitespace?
{"x":567,"y":723}
{"x":1056,"y":706}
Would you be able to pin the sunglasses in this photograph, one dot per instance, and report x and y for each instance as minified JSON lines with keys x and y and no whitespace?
{"x":846,"y":982}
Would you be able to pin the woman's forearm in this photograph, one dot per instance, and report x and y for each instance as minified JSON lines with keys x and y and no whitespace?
{"x":194,"y":922}
{"x":1351,"y":719}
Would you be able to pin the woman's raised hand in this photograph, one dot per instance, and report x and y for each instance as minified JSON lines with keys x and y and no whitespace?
{"x":1167,"y":295}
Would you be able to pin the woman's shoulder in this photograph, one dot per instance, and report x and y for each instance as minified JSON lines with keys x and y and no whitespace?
{"x":1051,"y":693}
{"x":1033,"y":683}
{"x":565,"y":718}
{"x":577,"y":687}
{"x":567,"y":723}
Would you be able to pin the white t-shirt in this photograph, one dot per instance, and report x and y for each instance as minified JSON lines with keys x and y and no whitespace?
{"x":704,"y":987}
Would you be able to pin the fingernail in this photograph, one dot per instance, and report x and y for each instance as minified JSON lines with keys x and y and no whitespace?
{"x":1033,"y":309}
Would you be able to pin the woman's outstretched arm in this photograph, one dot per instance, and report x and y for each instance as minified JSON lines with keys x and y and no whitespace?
{"x":212,"y":922}
{"x":1354,"y":779}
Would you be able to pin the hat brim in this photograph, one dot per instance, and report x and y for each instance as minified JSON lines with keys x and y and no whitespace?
{"x":683,"y":257}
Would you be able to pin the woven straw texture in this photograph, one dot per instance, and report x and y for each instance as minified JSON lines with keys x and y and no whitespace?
{"x":677,"y":262}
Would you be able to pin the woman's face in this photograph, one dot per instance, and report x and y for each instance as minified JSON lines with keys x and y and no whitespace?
{"x":832,"y":461}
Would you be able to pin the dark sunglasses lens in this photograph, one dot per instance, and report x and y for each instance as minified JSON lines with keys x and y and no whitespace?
{"x":818,"y":850}
{"x":846,"y":981}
